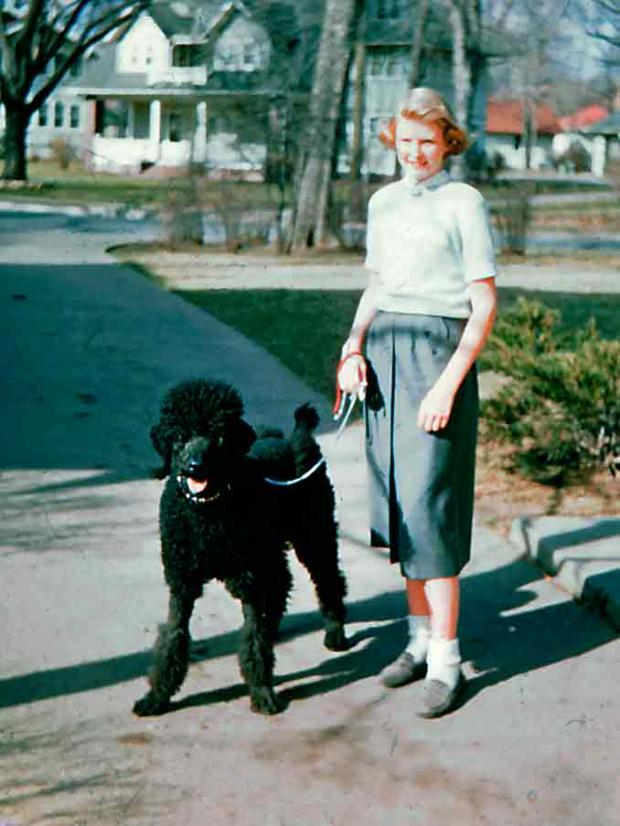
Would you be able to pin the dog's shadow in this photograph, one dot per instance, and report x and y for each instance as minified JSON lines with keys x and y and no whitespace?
{"x":499,"y":640}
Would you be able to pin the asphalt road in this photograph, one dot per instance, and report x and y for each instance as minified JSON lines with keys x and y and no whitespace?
{"x":88,"y":348}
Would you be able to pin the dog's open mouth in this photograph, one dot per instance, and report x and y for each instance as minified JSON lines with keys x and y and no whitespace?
{"x":197,"y":490}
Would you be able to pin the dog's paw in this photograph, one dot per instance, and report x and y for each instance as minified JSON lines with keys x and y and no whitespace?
{"x":335,"y":639}
{"x":151,"y":705}
{"x":264,"y":701}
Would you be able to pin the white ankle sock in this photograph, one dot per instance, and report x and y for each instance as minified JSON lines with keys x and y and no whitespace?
{"x":444,"y":661}
{"x":419,"y":635}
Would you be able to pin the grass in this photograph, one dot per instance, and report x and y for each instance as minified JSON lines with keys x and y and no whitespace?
{"x":305,"y":329}
{"x":48,"y":181}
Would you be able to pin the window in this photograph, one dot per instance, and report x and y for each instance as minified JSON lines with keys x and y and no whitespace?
{"x":43,"y":115}
{"x":388,"y":9}
{"x":74,"y":116}
{"x":59,"y":114}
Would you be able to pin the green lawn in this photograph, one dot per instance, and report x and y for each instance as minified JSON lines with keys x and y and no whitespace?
{"x":306,"y":328}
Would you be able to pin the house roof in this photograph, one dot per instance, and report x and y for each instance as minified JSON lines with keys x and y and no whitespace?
{"x":190,"y":17}
{"x":586,"y":116}
{"x":609,"y":126}
{"x":506,"y":117}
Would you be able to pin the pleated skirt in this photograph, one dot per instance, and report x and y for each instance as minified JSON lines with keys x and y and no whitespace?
{"x":421,"y":485}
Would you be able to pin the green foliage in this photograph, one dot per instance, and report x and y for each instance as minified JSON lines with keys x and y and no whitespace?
{"x":561,"y":406}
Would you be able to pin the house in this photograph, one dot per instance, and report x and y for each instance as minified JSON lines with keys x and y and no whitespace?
{"x":187,"y":82}
{"x":579,"y":133}
{"x":506,"y":133}
{"x":607,"y":133}
{"x":387,"y":67}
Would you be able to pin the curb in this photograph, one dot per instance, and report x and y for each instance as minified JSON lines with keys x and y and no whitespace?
{"x":581,"y":554}
{"x":100,"y":210}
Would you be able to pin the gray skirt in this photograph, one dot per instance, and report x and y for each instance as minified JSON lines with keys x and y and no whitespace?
{"x":421,"y":484}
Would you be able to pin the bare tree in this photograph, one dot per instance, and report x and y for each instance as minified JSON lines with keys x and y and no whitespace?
{"x":464,"y":20}
{"x":419,"y":10}
{"x":39,"y":43}
{"x":310,"y":221}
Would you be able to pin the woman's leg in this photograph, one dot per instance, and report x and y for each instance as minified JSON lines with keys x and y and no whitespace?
{"x":411,"y":663}
{"x":443,"y":678}
{"x":442,"y":598}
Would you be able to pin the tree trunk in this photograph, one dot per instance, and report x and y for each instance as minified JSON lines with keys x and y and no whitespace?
{"x":310,"y":222}
{"x":420,"y":12}
{"x":15,"y":131}
{"x":461,"y":75}
{"x":357,"y":139}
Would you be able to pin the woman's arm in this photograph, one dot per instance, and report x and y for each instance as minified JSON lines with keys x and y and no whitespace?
{"x":436,"y":406}
{"x":352,"y":374}
{"x":366,"y":311}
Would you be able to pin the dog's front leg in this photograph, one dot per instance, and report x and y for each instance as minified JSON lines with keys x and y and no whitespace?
{"x":256,"y":661}
{"x":170,"y":658}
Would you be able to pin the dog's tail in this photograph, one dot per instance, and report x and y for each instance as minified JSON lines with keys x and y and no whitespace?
{"x":307,"y":416}
{"x":305,"y":448}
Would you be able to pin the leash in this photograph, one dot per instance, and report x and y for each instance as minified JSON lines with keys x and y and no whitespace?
{"x":345,"y":402}
{"x":285,"y":483}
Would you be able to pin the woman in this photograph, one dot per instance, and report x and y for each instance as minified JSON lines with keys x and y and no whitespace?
{"x":423,"y":319}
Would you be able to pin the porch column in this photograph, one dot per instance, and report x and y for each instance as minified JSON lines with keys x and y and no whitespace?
{"x":200,"y":133}
{"x":599,"y":155}
{"x":155,"y":128}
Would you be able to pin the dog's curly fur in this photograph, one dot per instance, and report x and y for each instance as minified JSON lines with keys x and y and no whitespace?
{"x":220,"y":519}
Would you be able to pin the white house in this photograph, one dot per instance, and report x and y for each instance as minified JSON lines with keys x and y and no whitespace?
{"x":505,"y":134}
{"x":178,"y":87}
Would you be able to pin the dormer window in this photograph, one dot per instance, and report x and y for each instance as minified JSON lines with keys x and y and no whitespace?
{"x":238,"y":56}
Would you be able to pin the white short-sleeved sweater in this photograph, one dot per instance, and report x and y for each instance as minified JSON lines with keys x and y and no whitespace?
{"x":425,"y":243}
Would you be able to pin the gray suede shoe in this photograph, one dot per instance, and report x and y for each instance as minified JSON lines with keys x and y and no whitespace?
{"x":402,"y":671}
{"x":438,"y":698}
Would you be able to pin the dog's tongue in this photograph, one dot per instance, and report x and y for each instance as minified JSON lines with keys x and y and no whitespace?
{"x":196,"y":485}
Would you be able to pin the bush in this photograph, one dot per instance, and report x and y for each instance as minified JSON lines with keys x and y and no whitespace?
{"x":561,"y":407}
{"x":62,"y":152}
{"x":512,"y":213}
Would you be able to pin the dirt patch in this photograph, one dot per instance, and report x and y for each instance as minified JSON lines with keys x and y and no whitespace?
{"x":502,"y":495}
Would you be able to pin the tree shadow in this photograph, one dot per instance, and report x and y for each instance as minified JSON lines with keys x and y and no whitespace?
{"x":502,"y":633}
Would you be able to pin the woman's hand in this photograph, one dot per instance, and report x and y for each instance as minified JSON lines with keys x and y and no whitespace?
{"x":352,"y":374}
{"x":435,"y":408}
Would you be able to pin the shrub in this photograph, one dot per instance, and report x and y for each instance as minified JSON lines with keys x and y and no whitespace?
{"x":561,"y":407}
{"x":62,"y":152}
{"x":512,"y":214}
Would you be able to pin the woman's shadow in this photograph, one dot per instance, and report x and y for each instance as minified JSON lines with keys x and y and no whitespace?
{"x":497,"y":639}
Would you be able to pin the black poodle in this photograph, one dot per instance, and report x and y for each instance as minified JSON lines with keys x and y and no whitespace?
{"x":224,"y":516}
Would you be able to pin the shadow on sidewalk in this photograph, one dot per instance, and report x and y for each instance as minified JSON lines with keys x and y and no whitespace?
{"x":503,"y":634}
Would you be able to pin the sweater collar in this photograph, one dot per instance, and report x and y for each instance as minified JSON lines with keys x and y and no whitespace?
{"x":419,"y":188}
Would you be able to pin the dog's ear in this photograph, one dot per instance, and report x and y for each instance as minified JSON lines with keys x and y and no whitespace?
{"x":161,"y":439}
{"x":240,"y":437}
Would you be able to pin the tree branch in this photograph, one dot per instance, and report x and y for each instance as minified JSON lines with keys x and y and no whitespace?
{"x":83,"y":45}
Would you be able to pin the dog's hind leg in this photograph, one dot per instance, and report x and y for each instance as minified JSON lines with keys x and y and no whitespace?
{"x":256,"y":660}
{"x":170,"y":658}
{"x":318,"y":552}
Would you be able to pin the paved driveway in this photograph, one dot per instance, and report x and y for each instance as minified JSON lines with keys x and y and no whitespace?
{"x":89,"y":348}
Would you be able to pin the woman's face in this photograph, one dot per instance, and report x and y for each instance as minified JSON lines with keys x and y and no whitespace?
{"x":420,"y":147}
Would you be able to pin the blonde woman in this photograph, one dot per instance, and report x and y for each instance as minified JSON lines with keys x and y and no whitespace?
{"x":421,"y":322}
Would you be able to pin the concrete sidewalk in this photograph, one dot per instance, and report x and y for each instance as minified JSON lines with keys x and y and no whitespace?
{"x":90,"y":349}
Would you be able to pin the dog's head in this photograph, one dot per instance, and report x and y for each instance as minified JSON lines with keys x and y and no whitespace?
{"x":201,"y":435}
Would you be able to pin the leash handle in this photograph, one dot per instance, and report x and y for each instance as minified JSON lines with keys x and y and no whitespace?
{"x":340,"y":402}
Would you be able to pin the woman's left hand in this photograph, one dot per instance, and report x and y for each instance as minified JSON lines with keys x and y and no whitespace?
{"x":435,"y":409}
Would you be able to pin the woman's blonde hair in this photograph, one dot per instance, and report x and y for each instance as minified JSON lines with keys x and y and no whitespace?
{"x":423,"y":103}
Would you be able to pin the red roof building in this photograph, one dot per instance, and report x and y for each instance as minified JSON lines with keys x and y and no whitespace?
{"x":505,"y":117}
{"x":586,"y":116}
